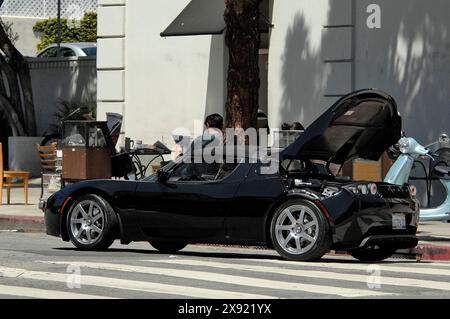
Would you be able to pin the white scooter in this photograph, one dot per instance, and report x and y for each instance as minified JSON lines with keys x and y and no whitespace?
{"x":409,"y":151}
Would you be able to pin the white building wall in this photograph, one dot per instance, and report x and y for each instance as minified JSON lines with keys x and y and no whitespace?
{"x":169,"y":82}
{"x":111,"y":52}
{"x":409,"y":57}
{"x":323,"y":49}
{"x":310,"y":58}
{"x":319,"y":51}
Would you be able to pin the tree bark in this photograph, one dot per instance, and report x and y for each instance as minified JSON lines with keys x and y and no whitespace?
{"x":243,"y":40}
{"x":16,"y":69}
{"x":13,"y":119}
{"x":11,"y":89}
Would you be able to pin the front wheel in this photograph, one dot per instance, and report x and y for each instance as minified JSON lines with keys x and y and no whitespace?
{"x":167,"y":247}
{"x":300,"y":231}
{"x":372,"y":254}
{"x":92,"y":223}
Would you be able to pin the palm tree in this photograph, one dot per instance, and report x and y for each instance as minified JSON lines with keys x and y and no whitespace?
{"x":16,"y":94}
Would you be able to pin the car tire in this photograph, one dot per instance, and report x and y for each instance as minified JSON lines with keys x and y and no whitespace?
{"x":167,"y":247}
{"x":372,"y":254}
{"x":300,"y":240}
{"x":92,"y":223}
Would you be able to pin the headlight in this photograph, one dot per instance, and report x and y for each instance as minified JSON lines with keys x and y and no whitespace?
{"x":404,"y":145}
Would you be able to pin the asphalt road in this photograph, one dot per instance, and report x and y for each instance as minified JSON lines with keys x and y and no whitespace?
{"x":38,"y":266}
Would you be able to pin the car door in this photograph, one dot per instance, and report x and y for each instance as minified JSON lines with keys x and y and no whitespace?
{"x":192,"y":204}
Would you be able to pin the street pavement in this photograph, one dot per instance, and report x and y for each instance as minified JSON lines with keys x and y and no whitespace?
{"x":39,"y":266}
{"x":434,"y":237}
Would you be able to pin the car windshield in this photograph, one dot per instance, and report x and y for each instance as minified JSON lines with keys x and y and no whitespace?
{"x":92,"y":51}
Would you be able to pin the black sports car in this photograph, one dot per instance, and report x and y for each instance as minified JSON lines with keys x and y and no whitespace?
{"x":301,"y":209}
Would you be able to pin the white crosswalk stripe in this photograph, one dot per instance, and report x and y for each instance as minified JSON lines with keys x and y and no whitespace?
{"x":234,"y":279}
{"x":386,"y":267}
{"x":44,"y":293}
{"x":115,"y":283}
{"x":385,"y":280}
{"x":219,"y":278}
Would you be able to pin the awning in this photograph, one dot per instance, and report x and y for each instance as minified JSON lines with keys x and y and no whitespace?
{"x":201,"y":17}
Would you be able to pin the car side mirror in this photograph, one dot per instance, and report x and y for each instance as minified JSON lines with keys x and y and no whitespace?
{"x":163,"y":176}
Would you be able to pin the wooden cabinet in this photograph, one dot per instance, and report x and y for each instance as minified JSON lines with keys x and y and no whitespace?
{"x":86,"y":151}
{"x":86,"y":163}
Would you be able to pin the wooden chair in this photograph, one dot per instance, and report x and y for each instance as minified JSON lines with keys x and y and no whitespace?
{"x":47,"y":155}
{"x":9,"y":176}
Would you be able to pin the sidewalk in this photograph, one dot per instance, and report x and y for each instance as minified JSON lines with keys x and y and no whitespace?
{"x":434,"y":236}
{"x":434,"y":241}
{"x":17,"y":216}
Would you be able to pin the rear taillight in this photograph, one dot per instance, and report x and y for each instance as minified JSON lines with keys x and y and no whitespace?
{"x":363,"y":189}
{"x":373,"y":189}
{"x":413,"y":190}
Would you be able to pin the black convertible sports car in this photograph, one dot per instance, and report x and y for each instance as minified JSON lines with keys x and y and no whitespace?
{"x":302,"y":210}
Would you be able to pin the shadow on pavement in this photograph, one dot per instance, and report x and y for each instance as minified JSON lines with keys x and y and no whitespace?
{"x":230,"y":255}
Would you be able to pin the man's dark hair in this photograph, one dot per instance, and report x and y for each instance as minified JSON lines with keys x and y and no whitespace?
{"x":214,"y":121}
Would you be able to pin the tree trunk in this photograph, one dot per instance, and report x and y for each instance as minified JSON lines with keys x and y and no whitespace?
{"x":15,"y":67}
{"x":13,"y":119}
{"x":243,"y":41}
{"x":9,"y":79}
{"x":27,"y":94}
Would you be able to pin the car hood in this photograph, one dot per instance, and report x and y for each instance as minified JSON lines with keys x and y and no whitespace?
{"x":363,"y":124}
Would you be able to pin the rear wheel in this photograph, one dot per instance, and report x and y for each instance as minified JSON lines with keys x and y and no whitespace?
{"x":92,"y":223}
{"x":167,"y":247}
{"x":372,"y":254}
{"x":300,"y":231}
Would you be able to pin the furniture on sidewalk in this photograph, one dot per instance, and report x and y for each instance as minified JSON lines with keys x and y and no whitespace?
{"x":158,"y":150}
{"x":50,"y":174}
{"x":87,"y":150}
{"x":9,"y":176}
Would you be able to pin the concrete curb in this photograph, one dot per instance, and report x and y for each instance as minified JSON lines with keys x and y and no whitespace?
{"x":22,"y":223}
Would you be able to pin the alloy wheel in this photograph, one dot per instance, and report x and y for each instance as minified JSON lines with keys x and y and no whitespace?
{"x":87,"y":222}
{"x":297,"y":229}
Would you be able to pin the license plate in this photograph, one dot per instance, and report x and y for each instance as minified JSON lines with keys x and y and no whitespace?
{"x":398,"y":221}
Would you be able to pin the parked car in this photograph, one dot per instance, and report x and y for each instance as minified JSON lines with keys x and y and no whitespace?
{"x":302,"y":210}
{"x":78,"y":49}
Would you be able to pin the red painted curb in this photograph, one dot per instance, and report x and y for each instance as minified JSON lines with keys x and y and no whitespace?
{"x":433,"y":252}
{"x":423,"y":252}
